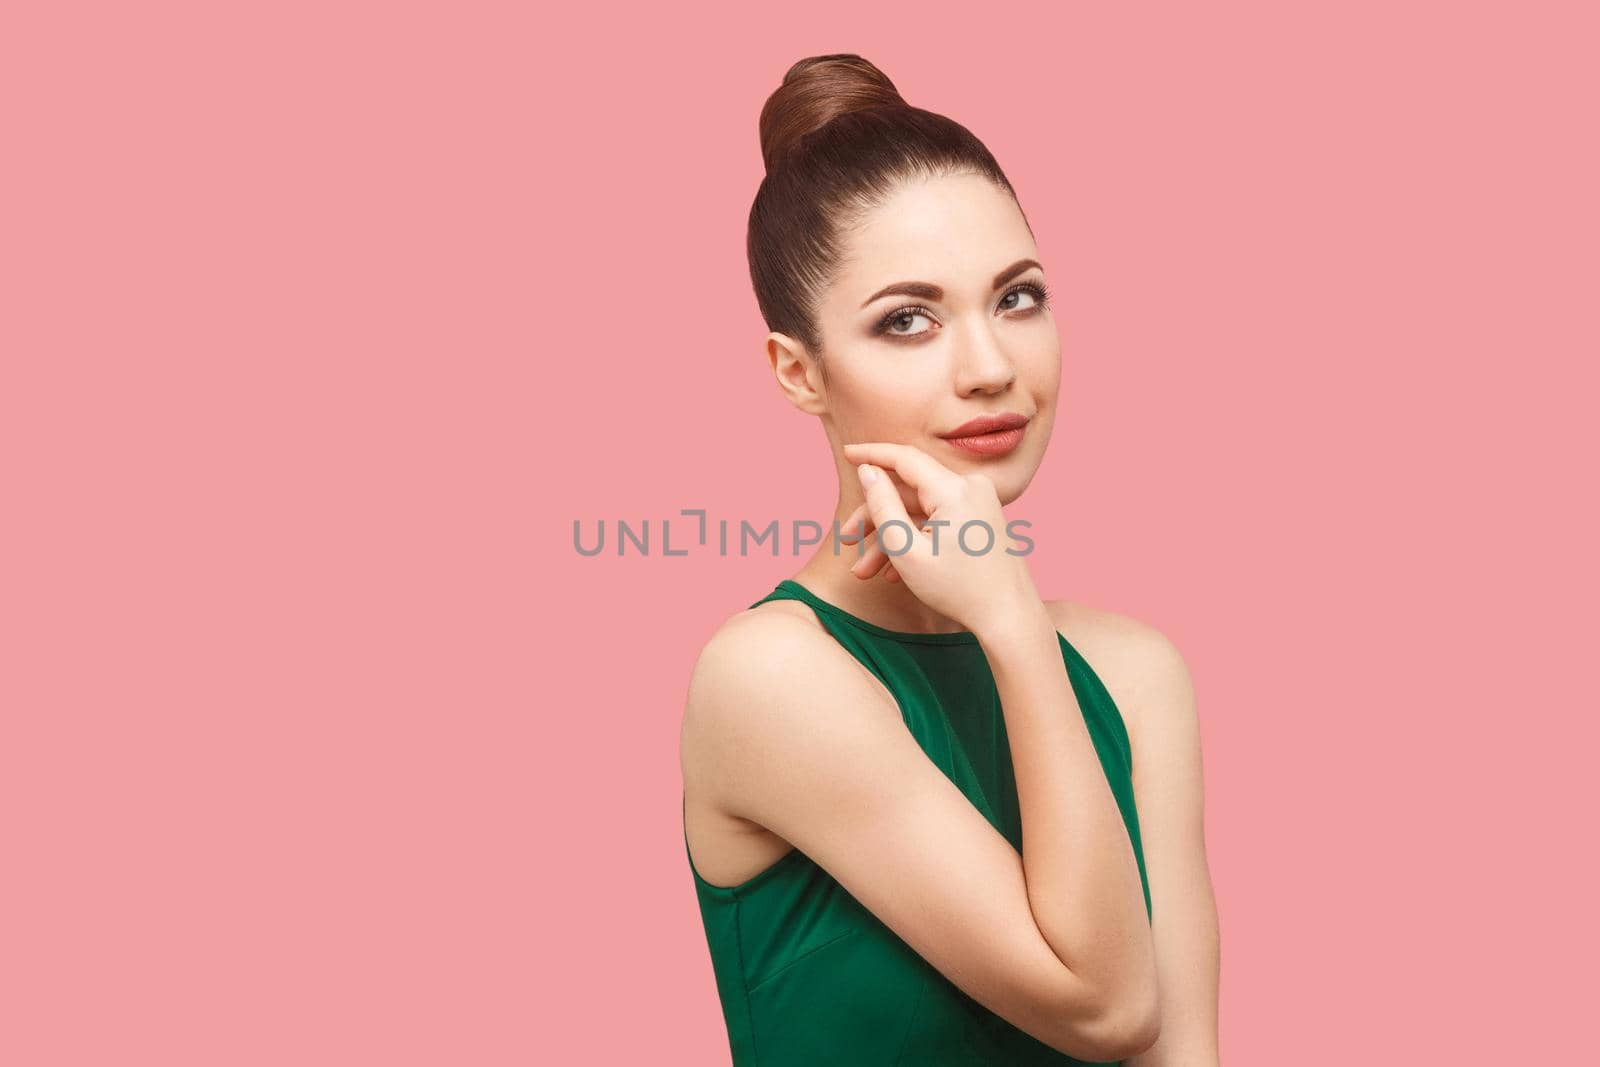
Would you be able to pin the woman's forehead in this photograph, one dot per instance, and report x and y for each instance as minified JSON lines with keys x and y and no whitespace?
{"x":953,"y":232}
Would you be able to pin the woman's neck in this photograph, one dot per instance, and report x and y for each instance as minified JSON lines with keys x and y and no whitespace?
{"x":877,"y":600}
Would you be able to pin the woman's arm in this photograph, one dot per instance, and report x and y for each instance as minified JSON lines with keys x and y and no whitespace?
{"x":1082,"y":876}
{"x":1151,"y":684}
{"x":790,"y":732}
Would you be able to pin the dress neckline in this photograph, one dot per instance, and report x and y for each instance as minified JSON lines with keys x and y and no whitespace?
{"x":959,"y":637}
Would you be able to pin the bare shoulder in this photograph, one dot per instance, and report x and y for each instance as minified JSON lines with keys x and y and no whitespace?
{"x":1141,"y":667}
{"x":772,"y":642}
{"x":739,"y":697}
{"x":765,"y":640}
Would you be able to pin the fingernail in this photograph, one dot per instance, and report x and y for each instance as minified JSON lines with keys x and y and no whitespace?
{"x":868,"y":474}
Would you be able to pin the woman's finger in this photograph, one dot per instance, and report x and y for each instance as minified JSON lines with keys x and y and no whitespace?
{"x":883,"y":503}
{"x":870,"y":556}
{"x":884,"y":509}
{"x":910,"y":462}
{"x":932,"y":480}
{"x":889,"y":572}
{"x":870,"y":561}
{"x":854,"y":526}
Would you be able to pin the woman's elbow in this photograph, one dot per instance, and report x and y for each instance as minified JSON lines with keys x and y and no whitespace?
{"x":1132,"y":1035}
{"x":1127,"y":1025}
{"x":1101,"y":1022}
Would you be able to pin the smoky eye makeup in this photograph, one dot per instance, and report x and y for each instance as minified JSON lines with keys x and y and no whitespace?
{"x":1037,"y":288}
{"x":1041,"y":294}
{"x":885,"y":324}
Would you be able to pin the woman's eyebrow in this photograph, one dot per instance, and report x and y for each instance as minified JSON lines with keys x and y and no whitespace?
{"x":928,"y":291}
{"x":1015,"y":269}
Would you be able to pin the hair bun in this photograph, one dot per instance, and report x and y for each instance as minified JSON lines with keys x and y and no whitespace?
{"x":815,"y":91}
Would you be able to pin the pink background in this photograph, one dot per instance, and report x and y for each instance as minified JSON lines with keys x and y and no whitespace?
{"x":322,"y":323}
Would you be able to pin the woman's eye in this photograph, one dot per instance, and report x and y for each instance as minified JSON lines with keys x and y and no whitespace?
{"x":898,"y":323}
{"x":1008,"y":303}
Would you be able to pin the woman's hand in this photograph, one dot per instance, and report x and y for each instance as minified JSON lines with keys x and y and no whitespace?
{"x":975,"y":585}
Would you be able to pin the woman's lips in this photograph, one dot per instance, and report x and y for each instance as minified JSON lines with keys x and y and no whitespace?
{"x":997,"y":443}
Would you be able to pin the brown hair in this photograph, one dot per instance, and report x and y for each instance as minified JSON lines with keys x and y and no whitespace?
{"x":837,"y":138}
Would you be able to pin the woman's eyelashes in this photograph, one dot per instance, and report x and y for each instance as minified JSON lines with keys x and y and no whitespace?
{"x":889,"y":325}
{"x":1041,"y":295}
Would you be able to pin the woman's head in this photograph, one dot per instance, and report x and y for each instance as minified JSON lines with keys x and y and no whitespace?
{"x":864,"y":193}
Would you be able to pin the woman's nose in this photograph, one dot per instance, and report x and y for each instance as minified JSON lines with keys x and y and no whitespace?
{"x":982,"y":366}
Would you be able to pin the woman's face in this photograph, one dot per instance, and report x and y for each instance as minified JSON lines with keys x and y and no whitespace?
{"x":970,"y":338}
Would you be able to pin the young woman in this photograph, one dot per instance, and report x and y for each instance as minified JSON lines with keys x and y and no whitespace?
{"x":922,"y":829}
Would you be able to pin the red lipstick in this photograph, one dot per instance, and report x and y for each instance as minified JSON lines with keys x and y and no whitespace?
{"x":988,"y":435}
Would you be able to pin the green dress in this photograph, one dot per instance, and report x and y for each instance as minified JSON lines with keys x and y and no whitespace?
{"x":805,"y":973}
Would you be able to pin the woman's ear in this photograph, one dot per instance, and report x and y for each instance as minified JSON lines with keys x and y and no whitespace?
{"x":799,"y":375}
